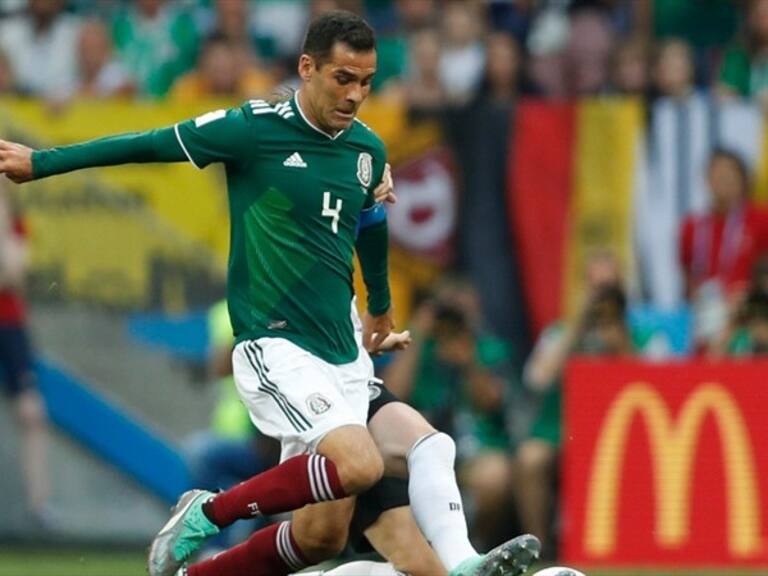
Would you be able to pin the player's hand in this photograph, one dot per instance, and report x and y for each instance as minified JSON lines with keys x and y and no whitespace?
{"x":385,"y":191}
{"x":376,"y":329}
{"x":395,"y":341}
{"x":15,"y":161}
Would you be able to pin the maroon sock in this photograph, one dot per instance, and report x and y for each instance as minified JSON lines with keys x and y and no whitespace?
{"x":272,"y":551}
{"x":298,"y":481}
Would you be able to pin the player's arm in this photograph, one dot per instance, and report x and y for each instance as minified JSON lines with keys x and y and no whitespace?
{"x":213,"y":137}
{"x":373,"y":252}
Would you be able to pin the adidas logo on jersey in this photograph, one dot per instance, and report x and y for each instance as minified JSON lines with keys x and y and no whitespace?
{"x":295,"y":161}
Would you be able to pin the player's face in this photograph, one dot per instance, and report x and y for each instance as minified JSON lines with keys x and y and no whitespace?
{"x":339,"y":86}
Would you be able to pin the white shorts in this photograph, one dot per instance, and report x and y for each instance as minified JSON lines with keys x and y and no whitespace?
{"x":297,"y":398}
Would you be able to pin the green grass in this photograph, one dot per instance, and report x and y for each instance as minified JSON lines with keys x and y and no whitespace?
{"x":94,"y":563}
{"x":71,"y":563}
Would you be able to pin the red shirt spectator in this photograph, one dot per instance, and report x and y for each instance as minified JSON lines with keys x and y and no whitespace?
{"x":723,"y":246}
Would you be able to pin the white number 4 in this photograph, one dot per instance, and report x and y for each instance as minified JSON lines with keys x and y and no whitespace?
{"x":334,"y":213}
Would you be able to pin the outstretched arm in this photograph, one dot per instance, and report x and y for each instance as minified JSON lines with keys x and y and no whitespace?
{"x":22,"y":164}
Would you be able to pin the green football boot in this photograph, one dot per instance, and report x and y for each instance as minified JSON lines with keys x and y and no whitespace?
{"x":512,"y":558}
{"x":182,"y":535}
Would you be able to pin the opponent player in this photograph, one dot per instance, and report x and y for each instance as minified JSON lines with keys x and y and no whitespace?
{"x":299,"y":175}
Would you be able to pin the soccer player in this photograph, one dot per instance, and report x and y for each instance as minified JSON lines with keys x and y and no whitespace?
{"x":300,"y":175}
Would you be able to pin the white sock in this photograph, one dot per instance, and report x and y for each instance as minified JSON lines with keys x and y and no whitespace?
{"x":436,"y":500}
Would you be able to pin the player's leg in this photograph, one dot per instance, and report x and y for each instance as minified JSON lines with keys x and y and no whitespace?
{"x":327,"y":454}
{"x":29,"y":410}
{"x":408,"y":441}
{"x":397,"y":538}
{"x":30,"y":413}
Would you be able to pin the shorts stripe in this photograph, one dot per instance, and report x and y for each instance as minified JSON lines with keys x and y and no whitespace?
{"x":266,"y":382}
{"x":279,"y":399}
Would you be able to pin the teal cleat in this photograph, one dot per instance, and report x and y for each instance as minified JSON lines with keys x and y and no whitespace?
{"x":182,"y":535}
{"x":512,"y":558}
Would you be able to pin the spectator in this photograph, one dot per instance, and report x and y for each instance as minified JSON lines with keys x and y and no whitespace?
{"x":719,"y":249}
{"x":7,"y":81}
{"x":18,"y":378}
{"x":546,"y":49}
{"x":40,"y":45}
{"x":630,"y":69}
{"x":751,"y":336}
{"x":458,"y":377}
{"x":424,"y":93}
{"x":599,"y":329}
{"x":462,"y":57}
{"x":744,"y":71}
{"x":232,"y":20}
{"x":588,"y":52}
{"x":156,"y":42}
{"x":673,"y":69}
{"x":221,"y":74}
{"x":100,"y":75}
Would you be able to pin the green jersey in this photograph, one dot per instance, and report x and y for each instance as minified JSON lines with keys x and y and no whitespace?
{"x":295,"y":198}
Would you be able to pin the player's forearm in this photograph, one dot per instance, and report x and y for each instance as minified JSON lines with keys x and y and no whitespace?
{"x":158,"y":145}
{"x":373,"y":252}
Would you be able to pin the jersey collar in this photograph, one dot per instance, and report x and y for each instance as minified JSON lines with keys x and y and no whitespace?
{"x":308,"y":123}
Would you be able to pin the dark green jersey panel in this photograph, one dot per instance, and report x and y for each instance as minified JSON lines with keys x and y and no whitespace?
{"x":295,"y":197}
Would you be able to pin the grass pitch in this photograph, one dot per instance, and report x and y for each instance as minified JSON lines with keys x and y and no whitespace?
{"x":95,"y":563}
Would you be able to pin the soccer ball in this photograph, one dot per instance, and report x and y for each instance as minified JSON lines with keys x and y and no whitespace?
{"x":558,"y":571}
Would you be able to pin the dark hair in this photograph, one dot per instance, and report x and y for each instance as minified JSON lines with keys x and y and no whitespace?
{"x":450,"y":319}
{"x":613,"y":298}
{"x":337,"y":26}
{"x":737,"y":160}
{"x":756,"y":306}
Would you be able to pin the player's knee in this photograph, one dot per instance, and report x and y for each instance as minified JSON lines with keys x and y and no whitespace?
{"x":535,"y":457}
{"x":440,"y":447}
{"x":361,"y":471}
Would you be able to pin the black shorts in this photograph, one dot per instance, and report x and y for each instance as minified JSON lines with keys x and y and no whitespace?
{"x":16,"y":369}
{"x":388,"y":493}
{"x":378,"y":396}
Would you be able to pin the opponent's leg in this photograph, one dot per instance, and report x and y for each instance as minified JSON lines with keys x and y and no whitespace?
{"x":404,"y":435}
{"x":409,"y":443}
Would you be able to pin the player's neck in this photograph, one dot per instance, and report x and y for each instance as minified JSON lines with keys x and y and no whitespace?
{"x":305,"y":107}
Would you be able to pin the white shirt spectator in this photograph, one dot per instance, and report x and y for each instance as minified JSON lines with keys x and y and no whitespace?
{"x":43,"y":63}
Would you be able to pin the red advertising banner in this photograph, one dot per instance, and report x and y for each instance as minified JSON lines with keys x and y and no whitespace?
{"x":665,"y":465}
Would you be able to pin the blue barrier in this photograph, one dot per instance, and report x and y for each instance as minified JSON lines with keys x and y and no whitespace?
{"x":112,"y":434}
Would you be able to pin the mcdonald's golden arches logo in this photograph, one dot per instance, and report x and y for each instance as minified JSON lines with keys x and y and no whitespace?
{"x":673,"y":443}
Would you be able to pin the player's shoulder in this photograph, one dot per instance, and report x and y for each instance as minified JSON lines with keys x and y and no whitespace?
{"x":363,"y":135}
{"x":266,"y":111}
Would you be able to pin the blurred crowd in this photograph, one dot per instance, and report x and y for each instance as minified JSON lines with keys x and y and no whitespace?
{"x":432,"y":53}
{"x":473,"y":58}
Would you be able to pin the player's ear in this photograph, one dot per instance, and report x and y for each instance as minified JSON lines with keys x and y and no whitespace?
{"x":306,"y":67}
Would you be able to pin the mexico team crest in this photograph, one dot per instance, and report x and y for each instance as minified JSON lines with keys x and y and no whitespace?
{"x":318,"y":404}
{"x":365,"y":169}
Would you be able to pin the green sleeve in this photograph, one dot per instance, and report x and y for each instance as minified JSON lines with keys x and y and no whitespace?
{"x":137,"y":147}
{"x":373,"y":250}
{"x":735,"y":71}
